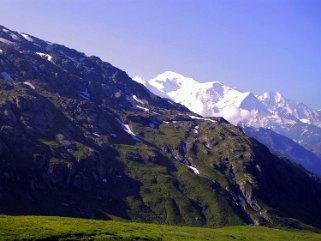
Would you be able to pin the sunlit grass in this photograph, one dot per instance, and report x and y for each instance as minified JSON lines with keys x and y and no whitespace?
{"x":58,"y":228}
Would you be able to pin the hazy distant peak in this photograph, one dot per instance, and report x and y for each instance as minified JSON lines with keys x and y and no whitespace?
{"x":170,"y":81}
{"x":275,"y":97}
{"x":170,"y":75}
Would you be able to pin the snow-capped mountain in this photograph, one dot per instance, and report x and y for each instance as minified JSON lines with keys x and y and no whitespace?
{"x":207,"y":99}
{"x":216,"y":99}
{"x":289,"y":109}
{"x":270,"y":110}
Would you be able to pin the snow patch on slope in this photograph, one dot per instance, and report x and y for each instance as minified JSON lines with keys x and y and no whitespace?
{"x":30,"y":85}
{"x":201,"y":118}
{"x":5,"y":41}
{"x":141,"y":108}
{"x":137,"y":100}
{"x":27,"y":37}
{"x":194,"y":169}
{"x":128,"y":130}
{"x":46,"y":56}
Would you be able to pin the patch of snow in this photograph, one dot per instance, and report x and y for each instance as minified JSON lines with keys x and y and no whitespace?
{"x":85,"y":94}
{"x":57,"y":94}
{"x":142,"y":108}
{"x":6,"y":76}
{"x":6,"y":30}
{"x":137,"y":100}
{"x":305,"y":121}
{"x":202,"y":118}
{"x":30,"y":85}
{"x":165,"y":122}
{"x":27,"y":37}
{"x":207,"y":119}
{"x":104,"y":180}
{"x":195,"y":129}
{"x":6,"y":41}
{"x":113,"y":135}
{"x":1,"y":51}
{"x":195,"y":170}
{"x":46,"y":56}
{"x":96,"y":134}
{"x":128,"y":130}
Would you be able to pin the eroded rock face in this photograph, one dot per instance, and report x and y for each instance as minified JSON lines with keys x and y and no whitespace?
{"x":82,"y":139}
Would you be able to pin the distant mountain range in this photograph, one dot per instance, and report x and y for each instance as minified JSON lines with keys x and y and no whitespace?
{"x":270,"y":111}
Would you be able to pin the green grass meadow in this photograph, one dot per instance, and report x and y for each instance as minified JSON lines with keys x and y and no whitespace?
{"x":58,"y":228}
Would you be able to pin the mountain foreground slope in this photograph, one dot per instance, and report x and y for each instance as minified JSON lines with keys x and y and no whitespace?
{"x":270,"y":111}
{"x":80,"y":138}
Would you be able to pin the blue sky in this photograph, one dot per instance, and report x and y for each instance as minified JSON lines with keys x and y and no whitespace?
{"x":256,"y":45}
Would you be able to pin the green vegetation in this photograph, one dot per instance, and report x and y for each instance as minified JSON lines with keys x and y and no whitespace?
{"x":82,"y":151}
{"x":57,"y":228}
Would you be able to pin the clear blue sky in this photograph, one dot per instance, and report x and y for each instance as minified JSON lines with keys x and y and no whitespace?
{"x":256,"y":45}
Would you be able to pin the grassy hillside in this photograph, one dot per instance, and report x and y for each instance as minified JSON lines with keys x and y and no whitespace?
{"x":57,"y":228}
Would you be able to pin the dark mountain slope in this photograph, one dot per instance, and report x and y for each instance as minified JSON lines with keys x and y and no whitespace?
{"x":286,"y":147}
{"x":80,"y":138}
